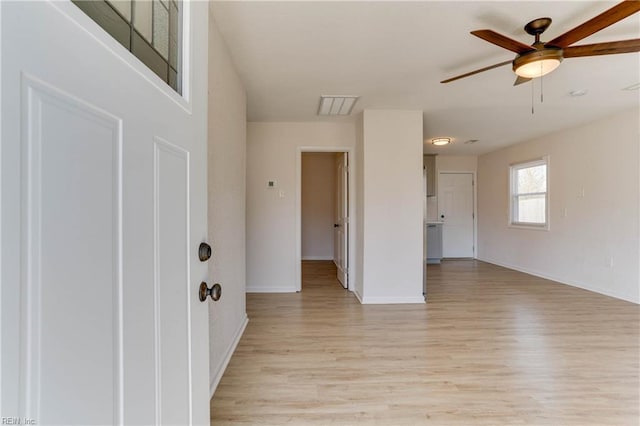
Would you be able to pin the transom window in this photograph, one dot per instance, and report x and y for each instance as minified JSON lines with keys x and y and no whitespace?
{"x":150,"y":29}
{"x":529,"y":194}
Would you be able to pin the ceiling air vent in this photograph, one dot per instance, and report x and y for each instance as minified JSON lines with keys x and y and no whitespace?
{"x":336,"y":105}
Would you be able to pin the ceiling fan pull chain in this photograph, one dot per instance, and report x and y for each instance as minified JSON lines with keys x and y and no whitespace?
{"x":541,"y":85}
{"x":532,"y":84}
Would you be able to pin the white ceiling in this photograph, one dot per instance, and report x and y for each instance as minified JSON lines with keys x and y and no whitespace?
{"x":394,"y":55}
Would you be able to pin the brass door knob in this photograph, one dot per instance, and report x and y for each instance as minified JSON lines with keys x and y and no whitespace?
{"x":215,"y":292}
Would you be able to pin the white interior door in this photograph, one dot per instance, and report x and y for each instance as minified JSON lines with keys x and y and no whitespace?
{"x":103,"y":205}
{"x":341,"y":226}
{"x":455,"y":209}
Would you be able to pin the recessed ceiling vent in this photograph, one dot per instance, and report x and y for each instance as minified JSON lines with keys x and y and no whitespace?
{"x":336,"y":104}
{"x":576,"y":93}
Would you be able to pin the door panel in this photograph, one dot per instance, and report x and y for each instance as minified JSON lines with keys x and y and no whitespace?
{"x":59,"y":128}
{"x":455,"y":205}
{"x":100,"y":218}
{"x":171,"y":212}
{"x":341,"y":231}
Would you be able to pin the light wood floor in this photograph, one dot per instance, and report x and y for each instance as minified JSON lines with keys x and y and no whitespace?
{"x":491,"y":347}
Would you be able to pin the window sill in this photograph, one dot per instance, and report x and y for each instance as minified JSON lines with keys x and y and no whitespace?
{"x":529,"y":227}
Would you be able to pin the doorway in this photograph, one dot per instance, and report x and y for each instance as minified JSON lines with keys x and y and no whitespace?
{"x":456,"y":211}
{"x":323,"y":211}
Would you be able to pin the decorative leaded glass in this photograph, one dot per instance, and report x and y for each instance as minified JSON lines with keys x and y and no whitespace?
{"x":150,"y":29}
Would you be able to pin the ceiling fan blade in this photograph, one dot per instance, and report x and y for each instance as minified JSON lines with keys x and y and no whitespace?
{"x":502,"y":41}
{"x":610,"y":48}
{"x":593,"y":25}
{"x":490,"y":67}
{"x":521,"y":80}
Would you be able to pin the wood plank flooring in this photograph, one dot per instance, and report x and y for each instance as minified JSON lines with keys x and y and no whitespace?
{"x":491,"y":347}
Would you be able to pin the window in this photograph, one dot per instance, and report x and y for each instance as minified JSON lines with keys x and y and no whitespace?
{"x":151,"y":30}
{"x":529,"y":194}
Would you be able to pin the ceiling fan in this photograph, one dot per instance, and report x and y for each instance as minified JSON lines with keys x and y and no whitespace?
{"x":543,"y":57}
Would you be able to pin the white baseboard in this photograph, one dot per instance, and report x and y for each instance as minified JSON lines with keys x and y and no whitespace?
{"x":227,"y":357}
{"x":390,"y":300}
{"x":387,"y":300}
{"x":271,"y":289}
{"x":546,"y":276}
{"x":317,"y":258}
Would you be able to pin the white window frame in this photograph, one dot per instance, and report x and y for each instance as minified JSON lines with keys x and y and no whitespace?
{"x":513,"y":186}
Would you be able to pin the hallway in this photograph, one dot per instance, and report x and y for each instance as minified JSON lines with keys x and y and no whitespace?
{"x":492,"y":346}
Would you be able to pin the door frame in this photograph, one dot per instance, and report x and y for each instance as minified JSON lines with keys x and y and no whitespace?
{"x":298,"y":202}
{"x":475,"y":201}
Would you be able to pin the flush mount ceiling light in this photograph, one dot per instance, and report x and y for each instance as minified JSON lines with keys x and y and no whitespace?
{"x":537,"y":63}
{"x":441,"y":141}
{"x":336,"y":104}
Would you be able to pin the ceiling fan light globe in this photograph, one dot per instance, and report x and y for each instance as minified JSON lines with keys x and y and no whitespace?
{"x":537,"y":68}
{"x":538,"y":63}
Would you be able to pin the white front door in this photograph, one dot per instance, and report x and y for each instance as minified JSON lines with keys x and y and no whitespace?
{"x":103,"y":206}
{"x":341,"y":226}
{"x":455,"y":209}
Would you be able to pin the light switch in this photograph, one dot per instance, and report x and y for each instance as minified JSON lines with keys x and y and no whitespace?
{"x":272,"y":184}
{"x":281,"y":193}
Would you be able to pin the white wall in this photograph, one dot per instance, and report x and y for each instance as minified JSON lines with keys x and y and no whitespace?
{"x":358,"y":287}
{"x":391,"y":205}
{"x":449,"y":163}
{"x":456,"y":163}
{"x":272,"y":150}
{"x":226,"y":204}
{"x":594,"y":188}
{"x":318,"y":204}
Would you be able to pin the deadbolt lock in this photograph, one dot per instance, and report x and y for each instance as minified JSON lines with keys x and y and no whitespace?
{"x":204,"y":252}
